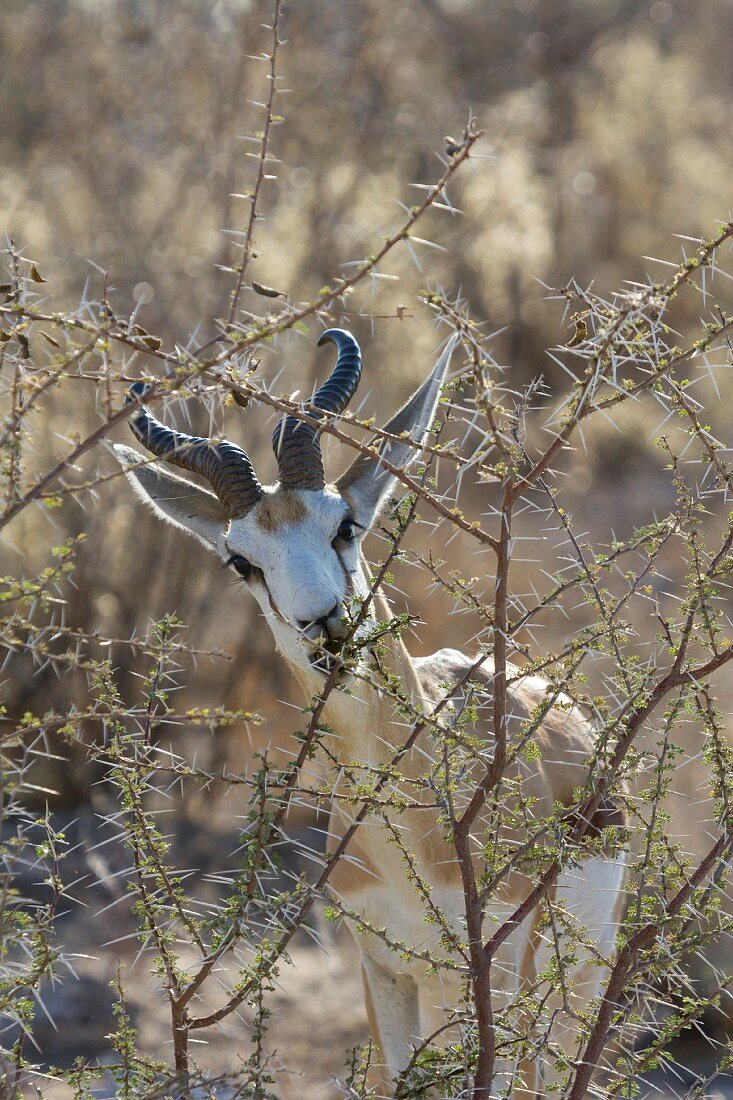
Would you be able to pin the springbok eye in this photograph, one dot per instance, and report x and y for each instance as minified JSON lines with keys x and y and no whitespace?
{"x":242,"y":566}
{"x":346,"y":531}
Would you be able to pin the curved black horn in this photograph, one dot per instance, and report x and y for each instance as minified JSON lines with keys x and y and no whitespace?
{"x":296,"y":443}
{"x":225,"y":466}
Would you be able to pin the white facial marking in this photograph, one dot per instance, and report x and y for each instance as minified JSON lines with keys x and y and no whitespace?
{"x":305,"y":575}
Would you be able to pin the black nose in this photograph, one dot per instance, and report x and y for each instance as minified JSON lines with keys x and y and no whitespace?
{"x":305,"y":623}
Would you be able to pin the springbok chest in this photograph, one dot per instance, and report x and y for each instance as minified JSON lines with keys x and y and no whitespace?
{"x":395,"y":930}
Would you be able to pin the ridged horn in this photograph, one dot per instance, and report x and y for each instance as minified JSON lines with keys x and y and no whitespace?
{"x":225,"y":466}
{"x":295,"y":443}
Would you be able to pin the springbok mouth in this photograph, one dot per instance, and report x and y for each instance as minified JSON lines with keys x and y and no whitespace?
{"x":326,"y":657}
{"x":324,"y":663}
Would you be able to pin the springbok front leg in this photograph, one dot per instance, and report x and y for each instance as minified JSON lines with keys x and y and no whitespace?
{"x":393,"y":1013}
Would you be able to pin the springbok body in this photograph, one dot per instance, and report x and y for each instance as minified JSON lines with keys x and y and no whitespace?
{"x":298,"y":547}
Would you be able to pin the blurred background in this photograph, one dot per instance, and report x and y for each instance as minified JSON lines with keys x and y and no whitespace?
{"x":609,"y":128}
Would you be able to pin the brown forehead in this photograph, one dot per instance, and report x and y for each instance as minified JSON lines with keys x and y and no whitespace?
{"x":279,"y":510}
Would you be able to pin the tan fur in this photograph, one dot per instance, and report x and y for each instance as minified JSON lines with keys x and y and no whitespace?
{"x":377,"y":1075}
{"x":375,"y":883}
{"x":278,"y":510}
{"x":355,"y":873}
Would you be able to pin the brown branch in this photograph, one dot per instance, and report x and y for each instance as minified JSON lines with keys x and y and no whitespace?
{"x":261,"y":164}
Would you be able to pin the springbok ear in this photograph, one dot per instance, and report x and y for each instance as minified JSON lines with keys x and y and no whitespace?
{"x":179,"y":501}
{"x":367,"y":482}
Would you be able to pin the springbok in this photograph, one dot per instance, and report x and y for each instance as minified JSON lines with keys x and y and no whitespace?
{"x":297,"y":547}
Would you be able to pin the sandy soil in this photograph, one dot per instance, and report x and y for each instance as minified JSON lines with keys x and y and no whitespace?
{"x":317,"y":1014}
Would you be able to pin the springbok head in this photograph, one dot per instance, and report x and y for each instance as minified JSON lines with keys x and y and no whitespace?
{"x":296,"y":544}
